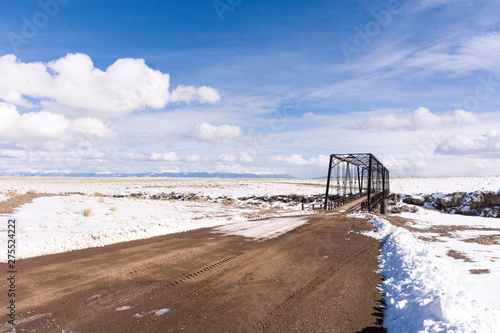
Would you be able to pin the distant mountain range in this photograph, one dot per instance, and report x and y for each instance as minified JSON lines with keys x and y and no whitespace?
{"x":143,"y":175}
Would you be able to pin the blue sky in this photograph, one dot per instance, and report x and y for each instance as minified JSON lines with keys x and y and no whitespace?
{"x":249,"y":86}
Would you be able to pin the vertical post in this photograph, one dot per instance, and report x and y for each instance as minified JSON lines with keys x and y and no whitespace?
{"x":383,"y":182}
{"x":388,"y":182}
{"x":359,"y":181}
{"x":328,"y":181}
{"x":369,"y":192}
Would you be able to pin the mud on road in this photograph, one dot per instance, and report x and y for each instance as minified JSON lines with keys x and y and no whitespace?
{"x":320,"y":277}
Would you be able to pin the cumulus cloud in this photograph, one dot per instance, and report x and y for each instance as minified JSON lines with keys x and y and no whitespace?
{"x":191,"y":158}
{"x":72,"y":84}
{"x":47,"y":126}
{"x":320,"y":160}
{"x":422,"y":118}
{"x":164,"y":157}
{"x":245,"y":158}
{"x":205,"y":132}
{"x":460,"y":145}
{"x":10,"y":153}
{"x":228,"y":158}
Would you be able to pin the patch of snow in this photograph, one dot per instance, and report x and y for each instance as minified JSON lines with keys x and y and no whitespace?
{"x":262,"y":229}
{"x":123,"y":308}
{"x":437,"y":218}
{"x":160,"y":312}
{"x":157,"y":313}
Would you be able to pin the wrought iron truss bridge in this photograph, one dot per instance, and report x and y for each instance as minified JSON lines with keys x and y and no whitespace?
{"x":355,"y":181}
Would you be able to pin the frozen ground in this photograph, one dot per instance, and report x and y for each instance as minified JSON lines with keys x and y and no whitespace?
{"x":63,"y":223}
{"x":412,"y":185}
{"x":441,"y":271}
{"x":213,"y":187}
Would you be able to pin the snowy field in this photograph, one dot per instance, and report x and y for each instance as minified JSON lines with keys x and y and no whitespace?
{"x":93,"y":217}
{"x":413,"y":185}
{"x":213,"y":187}
{"x":441,"y":271}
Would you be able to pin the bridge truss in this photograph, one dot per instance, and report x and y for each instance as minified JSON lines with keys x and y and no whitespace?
{"x":352,"y":177}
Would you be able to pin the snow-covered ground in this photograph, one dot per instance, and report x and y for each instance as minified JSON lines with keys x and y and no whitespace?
{"x":413,"y":185}
{"x":213,"y":187}
{"x":267,"y":229}
{"x":63,"y":223}
{"x":441,"y":271}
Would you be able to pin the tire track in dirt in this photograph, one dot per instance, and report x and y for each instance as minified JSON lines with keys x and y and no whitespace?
{"x":203,"y":270}
{"x":306,"y":290}
{"x":212,"y":283}
{"x":107,"y":299}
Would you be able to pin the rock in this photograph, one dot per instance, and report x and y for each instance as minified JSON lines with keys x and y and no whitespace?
{"x":452,"y":200}
{"x":414,"y":200}
{"x":492,"y":198}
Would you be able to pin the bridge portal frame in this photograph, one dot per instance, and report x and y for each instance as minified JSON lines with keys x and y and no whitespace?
{"x":372,"y":177}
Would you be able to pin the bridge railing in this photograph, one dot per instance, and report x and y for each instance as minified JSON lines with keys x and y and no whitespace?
{"x":332,"y":204}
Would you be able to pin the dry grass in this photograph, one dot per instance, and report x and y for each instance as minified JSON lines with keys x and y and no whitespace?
{"x":458,"y":255}
{"x":87,"y":212}
{"x":479,"y":271}
{"x":113,"y":209}
{"x":32,"y":192}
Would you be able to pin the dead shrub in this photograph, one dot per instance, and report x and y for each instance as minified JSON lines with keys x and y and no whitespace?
{"x":87,"y":212}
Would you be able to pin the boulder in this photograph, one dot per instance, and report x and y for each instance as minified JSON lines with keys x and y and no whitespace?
{"x":452,"y":200}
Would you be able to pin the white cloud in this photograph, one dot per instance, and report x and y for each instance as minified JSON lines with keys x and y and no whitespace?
{"x":245,"y":158}
{"x":73,"y":85}
{"x":459,"y":145}
{"x":47,"y":126}
{"x":187,"y":94}
{"x":227,"y":158}
{"x":191,"y":158}
{"x":205,"y":132}
{"x":321,"y":160}
{"x":422,"y":118}
{"x":12,"y":153}
{"x":388,"y":121}
{"x":164,"y":157}
{"x":469,"y":54}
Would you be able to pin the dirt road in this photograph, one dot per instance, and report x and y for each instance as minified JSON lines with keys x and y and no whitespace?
{"x":319,"y":277}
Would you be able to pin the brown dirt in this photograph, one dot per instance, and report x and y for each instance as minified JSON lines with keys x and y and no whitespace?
{"x":319,"y":277}
{"x":479,"y":271}
{"x":8,"y":206}
{"x":485,"y":240}
{"x":458,"y":255}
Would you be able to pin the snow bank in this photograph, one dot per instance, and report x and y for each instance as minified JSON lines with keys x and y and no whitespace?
{"x":424,"y":293}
